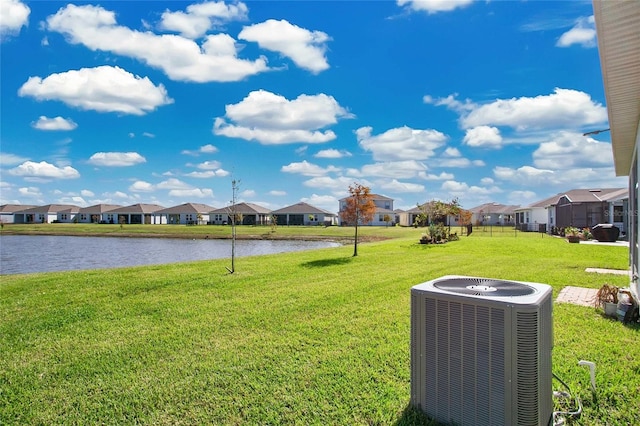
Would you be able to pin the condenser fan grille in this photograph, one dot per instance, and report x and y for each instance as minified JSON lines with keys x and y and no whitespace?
{"x":484,"y":287}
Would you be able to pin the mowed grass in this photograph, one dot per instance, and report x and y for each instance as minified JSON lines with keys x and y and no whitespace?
{"x":315,"y":337}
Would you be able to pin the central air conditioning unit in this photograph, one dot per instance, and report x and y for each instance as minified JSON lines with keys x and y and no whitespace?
{"x":481,"y":351}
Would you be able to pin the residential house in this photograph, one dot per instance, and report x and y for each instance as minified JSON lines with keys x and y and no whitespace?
{"x":69,"y":215}
{"x":493,"y":214}
{"x":617,"y":24}
{"x":384,"y":214}
{"x":7,"y":211}
{"x":583,"y":208}
{"x":304,"y":214}
{"x":412,"y":216}
{"x":137,"y":214}
{"x":246,"y":213}
{"x":186,"y":214}
{"x":99,"y":213}
{"x":536,"y":217}
{"x":46,"y":214}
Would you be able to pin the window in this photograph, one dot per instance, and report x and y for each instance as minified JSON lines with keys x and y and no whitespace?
{"x":618,"y":213}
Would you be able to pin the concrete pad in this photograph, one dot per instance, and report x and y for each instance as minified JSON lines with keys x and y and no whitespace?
{"x":608,"y":271}
{"x":577,"y":295}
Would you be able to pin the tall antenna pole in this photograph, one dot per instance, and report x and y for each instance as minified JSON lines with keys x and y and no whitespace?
{"x":232,"y":216}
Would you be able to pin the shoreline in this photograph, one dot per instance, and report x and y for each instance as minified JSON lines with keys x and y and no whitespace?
{"x":194,"y":236}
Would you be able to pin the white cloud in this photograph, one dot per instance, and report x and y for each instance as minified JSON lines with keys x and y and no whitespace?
{"x":332,"y":153}
{"x":208,"y":149}
{"x":305,"y":48}
{"x":148,"y":135}
{"x":582,"y":33}
{"x":173,"y":183}
{"x":401,"y":143}
{"x":483,"y":136}
{"x":15,"y":15}
{"x":441,"y":176}
{"x":395,"y":185}
{"x":248,"y":193}
{"x":116,"y":159}
{"x":44,"y":170}
{"x":102,"y":89}
{"x":522,"y":198}
{"x":201,"y":17}
{"x":458,"y":162}
{"x":525,"y":175}
{"x":56,"y":123}
{"x":272,"y":119}
{"x":30,"y":191}
{"x":326,"y":202}
{"x":141,"y":186}
{"x":434,"y":6}
{"x":87,"y":193}
{"x":277,"y":193}
{"x":7,"y":159}
{"x":458,"y":189}
{"x":191,"y":193}
{"x":204,"y":149}
{"x":209,"y":174}
{"x":178,"y":57}
{"x":564,"y":108}
{"x":337,"y":185}
{"x":487,"y":181}
{"x":452,"y":152}
{"x":393,"y":169}
{"x":209,"y":165}
{"x":307,"y":169}
{"x":569,"y":150}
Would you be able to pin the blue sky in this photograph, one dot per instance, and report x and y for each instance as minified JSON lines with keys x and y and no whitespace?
{"x":125,"y":102}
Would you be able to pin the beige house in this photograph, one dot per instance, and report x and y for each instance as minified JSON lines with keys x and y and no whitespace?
{"x":185,"y":214}
{"x":46,"y":214}
{"x":384,"y":210}
{"x":138,"y":214}
{"x":304,"y":214}
{"x":99,"y":213}
{"x":7,"y":211}
{"x":617,"y":24}
{"x":247,"y":213}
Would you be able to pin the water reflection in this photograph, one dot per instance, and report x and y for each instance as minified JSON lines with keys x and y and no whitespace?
{"x":27,"y":253}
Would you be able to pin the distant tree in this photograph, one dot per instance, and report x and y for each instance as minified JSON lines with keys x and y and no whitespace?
{"x":359,"y":209}
{"x":387,"y":219}
{"x":273,"y":222}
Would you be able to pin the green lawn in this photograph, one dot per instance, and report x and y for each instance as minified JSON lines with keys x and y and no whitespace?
{"x":316,"y":337}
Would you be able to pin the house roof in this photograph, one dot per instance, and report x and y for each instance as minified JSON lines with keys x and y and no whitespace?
{"x":581,"y":196}
{"x":494,"y":208}
{"x":138,"y":208}
{"x":99,"y":208}
{"x":243,"y":208}
{"x":588,"y":195}
{"x":617,"y":24}
{"x":302,"y":208}
{"x":187,"y":208}
{"x":48,"y":209}
{"x":374,"y":197}
{"x":12,"y":208}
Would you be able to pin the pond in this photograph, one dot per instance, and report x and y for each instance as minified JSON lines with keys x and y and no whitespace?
{"x":21,"y":254}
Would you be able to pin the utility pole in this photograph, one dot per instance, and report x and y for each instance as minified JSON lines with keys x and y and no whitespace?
{"x":231,"y":212}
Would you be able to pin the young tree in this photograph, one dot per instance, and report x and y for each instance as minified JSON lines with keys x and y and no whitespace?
{"x":359,"y":209}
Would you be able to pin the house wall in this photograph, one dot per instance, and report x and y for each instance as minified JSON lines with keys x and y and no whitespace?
{"x":7,"y":218}
{"x":634,"y":229}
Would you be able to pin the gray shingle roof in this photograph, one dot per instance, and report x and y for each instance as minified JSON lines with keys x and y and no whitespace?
{"x":302,"y":208}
